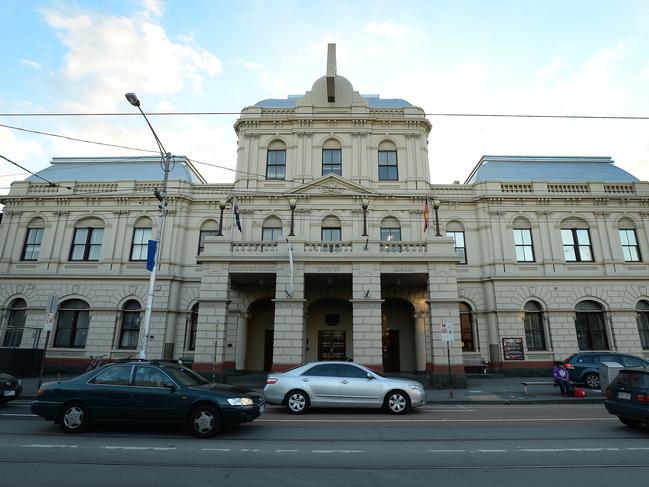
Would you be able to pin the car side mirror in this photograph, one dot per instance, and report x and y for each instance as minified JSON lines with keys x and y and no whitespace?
{"x":370,"y":376}
{"x":171,"y":387}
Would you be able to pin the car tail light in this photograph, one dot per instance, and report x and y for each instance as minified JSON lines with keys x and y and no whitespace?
{"x":271,"y":380}
{"x":642,"y":397}
{"x":568,"y":366}
{"x":609,"y":394}
{"x":40,"y":393}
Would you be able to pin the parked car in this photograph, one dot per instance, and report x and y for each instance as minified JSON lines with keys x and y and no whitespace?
{"x":10,"y":388}
{"x":341,"y":384}
{"x":584,"y":366}
{"x":146,"y":391}
{"x":627,"y":396}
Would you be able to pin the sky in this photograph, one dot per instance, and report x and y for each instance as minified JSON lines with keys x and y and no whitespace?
{"x":588,"y":58}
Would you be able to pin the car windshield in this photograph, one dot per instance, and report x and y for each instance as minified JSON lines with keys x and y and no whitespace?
{"x":186,"y":376}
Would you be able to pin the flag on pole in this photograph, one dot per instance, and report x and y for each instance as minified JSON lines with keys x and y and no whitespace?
{"x":235,"y":209}
{"x":290,"y":265}
{"x":426,"y":215}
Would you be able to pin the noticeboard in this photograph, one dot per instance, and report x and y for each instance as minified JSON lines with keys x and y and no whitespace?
{"x":513,"y":349}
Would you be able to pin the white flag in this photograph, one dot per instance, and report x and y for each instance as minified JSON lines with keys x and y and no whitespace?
{"x":290,"y":265}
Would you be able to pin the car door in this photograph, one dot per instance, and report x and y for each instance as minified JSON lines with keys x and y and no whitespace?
{"x":321,"y":383}
{"x":155,"y":397}
{"x":356,"y":389}
{"x":108,"y":394}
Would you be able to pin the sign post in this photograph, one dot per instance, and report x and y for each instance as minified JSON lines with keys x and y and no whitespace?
{"x":448,"y":335}
{"x":47,"y":327}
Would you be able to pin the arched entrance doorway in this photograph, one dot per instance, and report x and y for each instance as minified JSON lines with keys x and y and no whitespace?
{"x":399,"y":348}
{"x":260,"y":329}
{"x":329,"y":330}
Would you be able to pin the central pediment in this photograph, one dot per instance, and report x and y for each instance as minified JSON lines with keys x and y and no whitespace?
{"x":331,"y":184}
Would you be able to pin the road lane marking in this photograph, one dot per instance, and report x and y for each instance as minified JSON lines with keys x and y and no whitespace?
{"x":216,"y":449}
{"x":47,"y":446}
{"x":286,"y":451}
{"x":18,"y":414}
{"x":444,"y":420}
{"x":337,"y":451}
{"x":139,"y":448}
{"x":446,"y":451}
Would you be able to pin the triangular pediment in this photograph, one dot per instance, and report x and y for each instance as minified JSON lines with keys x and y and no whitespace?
{"x":331,"y":184}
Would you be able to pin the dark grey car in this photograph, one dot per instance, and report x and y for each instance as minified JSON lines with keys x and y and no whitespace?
{"x":341,"y":384}
{"x":584,"y":366}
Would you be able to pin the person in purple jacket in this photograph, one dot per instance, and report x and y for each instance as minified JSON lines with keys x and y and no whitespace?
{"x":562,"y":379}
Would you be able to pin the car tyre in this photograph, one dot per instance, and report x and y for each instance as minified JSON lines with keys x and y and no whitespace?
{"x":397,"y":402}
{"x":74,"y":418}
{"x":592,"y":380}
{"x":297,"y":402}
{"x":631,"y":423}
{"x":204,"y":421}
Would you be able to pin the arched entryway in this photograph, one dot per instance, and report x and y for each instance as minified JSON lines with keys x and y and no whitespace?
{"x":399,"y":347}
{"x":259,"y":334}
{"x":329,"y":330}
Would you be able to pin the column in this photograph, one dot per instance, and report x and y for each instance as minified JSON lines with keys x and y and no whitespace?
{"x":242,"y":341}
{"x":367,"y":338}
{"x":289,"y":334}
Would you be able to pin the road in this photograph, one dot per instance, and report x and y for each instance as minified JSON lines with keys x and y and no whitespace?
{"x":482,"y":445}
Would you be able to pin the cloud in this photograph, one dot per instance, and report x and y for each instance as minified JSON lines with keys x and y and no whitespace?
{"x":549,"y":69}
{"x":152,"y":7}
{"x":252,"y":66}
{"x":31,"y":64}
{"x":19,"y":151}
{"x":385,"y":28}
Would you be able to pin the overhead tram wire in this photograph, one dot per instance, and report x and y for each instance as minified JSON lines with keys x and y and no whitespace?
{"x":50,"y":183}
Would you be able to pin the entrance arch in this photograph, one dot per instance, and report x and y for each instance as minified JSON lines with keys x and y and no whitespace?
{"x":260,"y":328}
{"x":399,"y":347}
{"x":329,"y":330}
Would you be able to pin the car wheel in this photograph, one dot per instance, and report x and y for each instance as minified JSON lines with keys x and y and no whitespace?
{"x":297,"y":402}
{"x":74,"y":418}
{"x":631,"y":423}
{"x":397,"y":402}
{"x":204,"y":421}
{"x":592,"y":380}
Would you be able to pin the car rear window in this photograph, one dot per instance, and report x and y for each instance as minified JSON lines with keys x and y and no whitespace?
{"x":635,"y":380}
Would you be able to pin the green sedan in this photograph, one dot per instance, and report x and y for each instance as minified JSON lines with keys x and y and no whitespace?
{"x":143,"y":392}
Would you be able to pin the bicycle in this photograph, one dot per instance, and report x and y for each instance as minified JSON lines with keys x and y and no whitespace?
{"x":95,"y":361}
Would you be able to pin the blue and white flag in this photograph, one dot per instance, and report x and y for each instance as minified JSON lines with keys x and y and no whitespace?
{"x":235,"y":209}
{"x":289,"y":291}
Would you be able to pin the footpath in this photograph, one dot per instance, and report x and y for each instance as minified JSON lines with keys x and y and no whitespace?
{"x":481,"y":389}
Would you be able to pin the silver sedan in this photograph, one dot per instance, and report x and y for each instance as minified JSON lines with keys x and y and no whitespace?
{"x":341,"y":384}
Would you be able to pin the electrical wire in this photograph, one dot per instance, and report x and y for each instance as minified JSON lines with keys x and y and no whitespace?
{"x":50,"y":183}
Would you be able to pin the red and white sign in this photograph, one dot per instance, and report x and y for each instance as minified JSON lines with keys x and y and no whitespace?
{"x":448,"y":333}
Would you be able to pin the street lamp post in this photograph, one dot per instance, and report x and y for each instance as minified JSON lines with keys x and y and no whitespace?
{"x":162,"y":198}
{"x":364,"y":204}
{"x":292,"y":204}
{"x":436,"y":204}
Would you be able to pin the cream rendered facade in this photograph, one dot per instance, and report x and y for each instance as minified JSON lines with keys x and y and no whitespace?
{"x":341,"y":291}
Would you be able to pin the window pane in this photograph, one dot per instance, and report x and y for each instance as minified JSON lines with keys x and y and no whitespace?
{"x":520,"y":254}
{"x":569,"y":254}
{"x":96,"y":236}
{"x":582,"y":237}
{"x":80,"y":235}
{"x":566,"y":237}
{"x":119,"y":375}
{"x":585,"y":253}
{"x":351,"y":371}
{"x":322,"y":371}
{"x":518,"y":237}
{"x":624,"y":237}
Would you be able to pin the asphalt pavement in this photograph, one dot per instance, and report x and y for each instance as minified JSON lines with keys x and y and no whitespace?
{"x":486,"y":389}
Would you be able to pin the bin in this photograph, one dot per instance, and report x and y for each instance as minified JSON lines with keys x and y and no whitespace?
{"x":607,"y":372}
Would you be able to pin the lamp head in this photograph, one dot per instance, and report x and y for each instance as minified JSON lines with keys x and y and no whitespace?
{"x":436,"y":203}
{"x":132,"y":99}
{"x":292,"y":203}
{"x":365,"y":203}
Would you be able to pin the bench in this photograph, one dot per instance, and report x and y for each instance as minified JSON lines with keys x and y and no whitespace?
{"x":526,"y":384}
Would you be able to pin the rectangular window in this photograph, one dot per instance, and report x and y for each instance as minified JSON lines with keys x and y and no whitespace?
{"x":391,"y":234}
{"x":140,"y":244}
{"x":523,"y":245}
{"x":32,"y":246}
{"x":332,"y":161}
{"x":643,"y":328}
{"x":130,"y":332}
{"x":201,"y":239}
{"x":630,"y":247}
{"x":271,"y":234}
{"x":388,"y":169}
{"x":72,"y":329}
{"x":86,"y":244}
{"x":576,"y":245}
{"x":460,"y":248}
{"x":331,"y":234}
{"x":534,"y":335}
{"x":275,"y":164}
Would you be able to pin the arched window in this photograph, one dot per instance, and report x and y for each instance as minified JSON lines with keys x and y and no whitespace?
{"x":130,"y":327}
{"x":388,"y":167}
{"x":642,"y":309}
{"x":209,"y":229}
{"x":390,"y":230}
{"x":86,"y":242}
{"x":15,"y":323}
{"x":72,"y":325}
{"x":466,"y":328}
{"x":192,"y":326}
{"x":271,"y":229}
{"x":332,"y":158}
{"x":456,"y":230}
{"x":331,"y":230}
{"x":590,"y":326}
{"x":534,"y":333}
{"x":523,"y":244}
{"x":276,"y":160}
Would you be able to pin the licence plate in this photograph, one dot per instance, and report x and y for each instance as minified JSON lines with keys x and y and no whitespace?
{"x":10,"y":393}
{"x":624,"y":395}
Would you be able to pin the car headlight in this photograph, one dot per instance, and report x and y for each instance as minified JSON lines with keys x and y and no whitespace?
{"x":240,"y":401}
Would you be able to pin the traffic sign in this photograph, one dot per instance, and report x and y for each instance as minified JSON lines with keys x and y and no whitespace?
{"x":448,"y":332}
